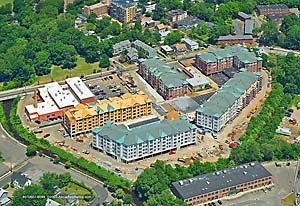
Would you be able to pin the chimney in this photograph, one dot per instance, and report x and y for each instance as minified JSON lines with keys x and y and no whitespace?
{"x":35,"y":99}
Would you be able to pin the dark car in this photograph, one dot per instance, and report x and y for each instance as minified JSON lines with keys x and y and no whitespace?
{"x":288,"y":114}
{"x":110,"y":77}
{"x":46,"y":135}
{"x":288,"y":164}
{"x":290,"y":110}
{"x":220,"y":202}
{"x":38,"y":121}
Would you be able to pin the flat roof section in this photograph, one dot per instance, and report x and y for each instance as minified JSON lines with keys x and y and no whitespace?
{"x":79,"y":88}
{"x":213,"y":181}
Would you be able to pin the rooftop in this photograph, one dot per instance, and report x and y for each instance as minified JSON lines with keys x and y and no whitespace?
{"x":276,"y":17}
{"x":147,"y":132}
{"x":221,"y":179}
{"x":272,"y":7}
{"x":107,"y":105}
{"x":190,"y":42}
{"x":243,"y":15}
{"x":166,"y":73}
{"x":167,"y":48}
{"x":176,"y":12}
{"x":235,"y":37}
{"x":79,"y":88}
{"x":121,"y":44}
{"x":218,"y":103}
{"x":95,"y":6}
{"x":20,"y":178}
{"x":229,"y":51}
{"x":249,"y":26}
{"x":146,"y":47}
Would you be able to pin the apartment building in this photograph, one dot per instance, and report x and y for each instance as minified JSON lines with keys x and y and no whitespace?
{"x":122,"y":11}
{"x":121,"y":46}
{"x":148,"y":50}
{"x":98,"y":9}
{"x":229,"y":100}
{"x":236,"y":56}
{"x":212,"y":186}
{"x":176,"y":15}
{"x":85,"y":117}
{"x":273,"y":9}
{"x":143,"y":141}
{"x":165,"y":79}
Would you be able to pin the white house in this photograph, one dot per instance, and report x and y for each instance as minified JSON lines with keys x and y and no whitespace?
{"x":191,"y":45}
{"x":20,"y":180}
{"x":4,"y":200}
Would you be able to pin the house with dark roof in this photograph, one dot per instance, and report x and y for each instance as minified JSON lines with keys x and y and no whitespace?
{"x":236,"y":56}
{"x":277,"y":18}
{"x":132,"y":55}
{"x":68,"y":199}
{"x":216,"y":185}
{"x":176,"y":15}
{"x":273,"y":9}
{"x":142,"y":141}
{"x":229,"y":100}
{"x":20,"y":180}
{"x":165,"y":79}
{"x":4,"y":199}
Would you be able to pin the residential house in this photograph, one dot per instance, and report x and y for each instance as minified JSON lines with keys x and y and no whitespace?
{"x":121,"y":46}
{"x":132,"y":55}
{"x":20,"y":180}
{"x":180,"y":48}
{"x":148,"y":50}
{"x":4,"y":199}
{"x":187,"y":23}
{"x":68,"y":199}
{"x":277,"y":18}
{"x":190,"y":44}
{"x":160,"y":27}
{"x":52,"y":203}
{"x":166,"y":49}
{"x":243,"y":17}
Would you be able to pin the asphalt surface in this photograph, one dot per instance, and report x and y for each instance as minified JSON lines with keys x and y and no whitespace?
{"x":12,"y":152}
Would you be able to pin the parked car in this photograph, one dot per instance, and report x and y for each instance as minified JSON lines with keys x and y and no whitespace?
{"x":38,"y":121}
{"x":291,"y":110}
{"x":288,"y":114}
{"x":220,"y":202}
{"x":46,"y":135}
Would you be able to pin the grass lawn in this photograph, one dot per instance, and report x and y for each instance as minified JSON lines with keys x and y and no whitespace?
{"x":3,"y":2}
{"x":73,"y":188}
{"x":59,"y":74}
{"x":288,"y":200}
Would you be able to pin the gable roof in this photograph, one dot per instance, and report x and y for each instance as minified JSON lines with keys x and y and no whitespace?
{"x":21,"y":179}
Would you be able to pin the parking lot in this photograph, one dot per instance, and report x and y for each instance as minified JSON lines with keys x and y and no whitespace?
{"x":106,"y":87}
{"x":283,"y":178}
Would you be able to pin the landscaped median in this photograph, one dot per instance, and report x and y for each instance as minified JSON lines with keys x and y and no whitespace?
{"x":45,"y":147}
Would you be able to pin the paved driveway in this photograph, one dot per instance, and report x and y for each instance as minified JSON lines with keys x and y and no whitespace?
{"x":12,"y":152}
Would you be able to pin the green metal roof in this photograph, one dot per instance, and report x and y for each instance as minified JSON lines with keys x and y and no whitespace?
{"x":166,"y":73}
{"x":138,"y":135}
{"x":110,"y":108}
{"x":217,"y":104}
{"x":229,"y":51}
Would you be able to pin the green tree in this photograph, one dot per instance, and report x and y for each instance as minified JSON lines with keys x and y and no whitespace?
{"x":31,"y":150}
{"x":120,"y":193}
{"x":23,"y":196}
{"x":173,"y":37}
{"x":49,"y":181}
{"x":127,"y":199}
{"x":104,"y":61}
{"x":270,"y":33}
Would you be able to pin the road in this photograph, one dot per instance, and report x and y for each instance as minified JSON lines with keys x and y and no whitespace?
{"x":36,"y":166}
{"x":13,"y":93}
{"x":277,"y":51}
